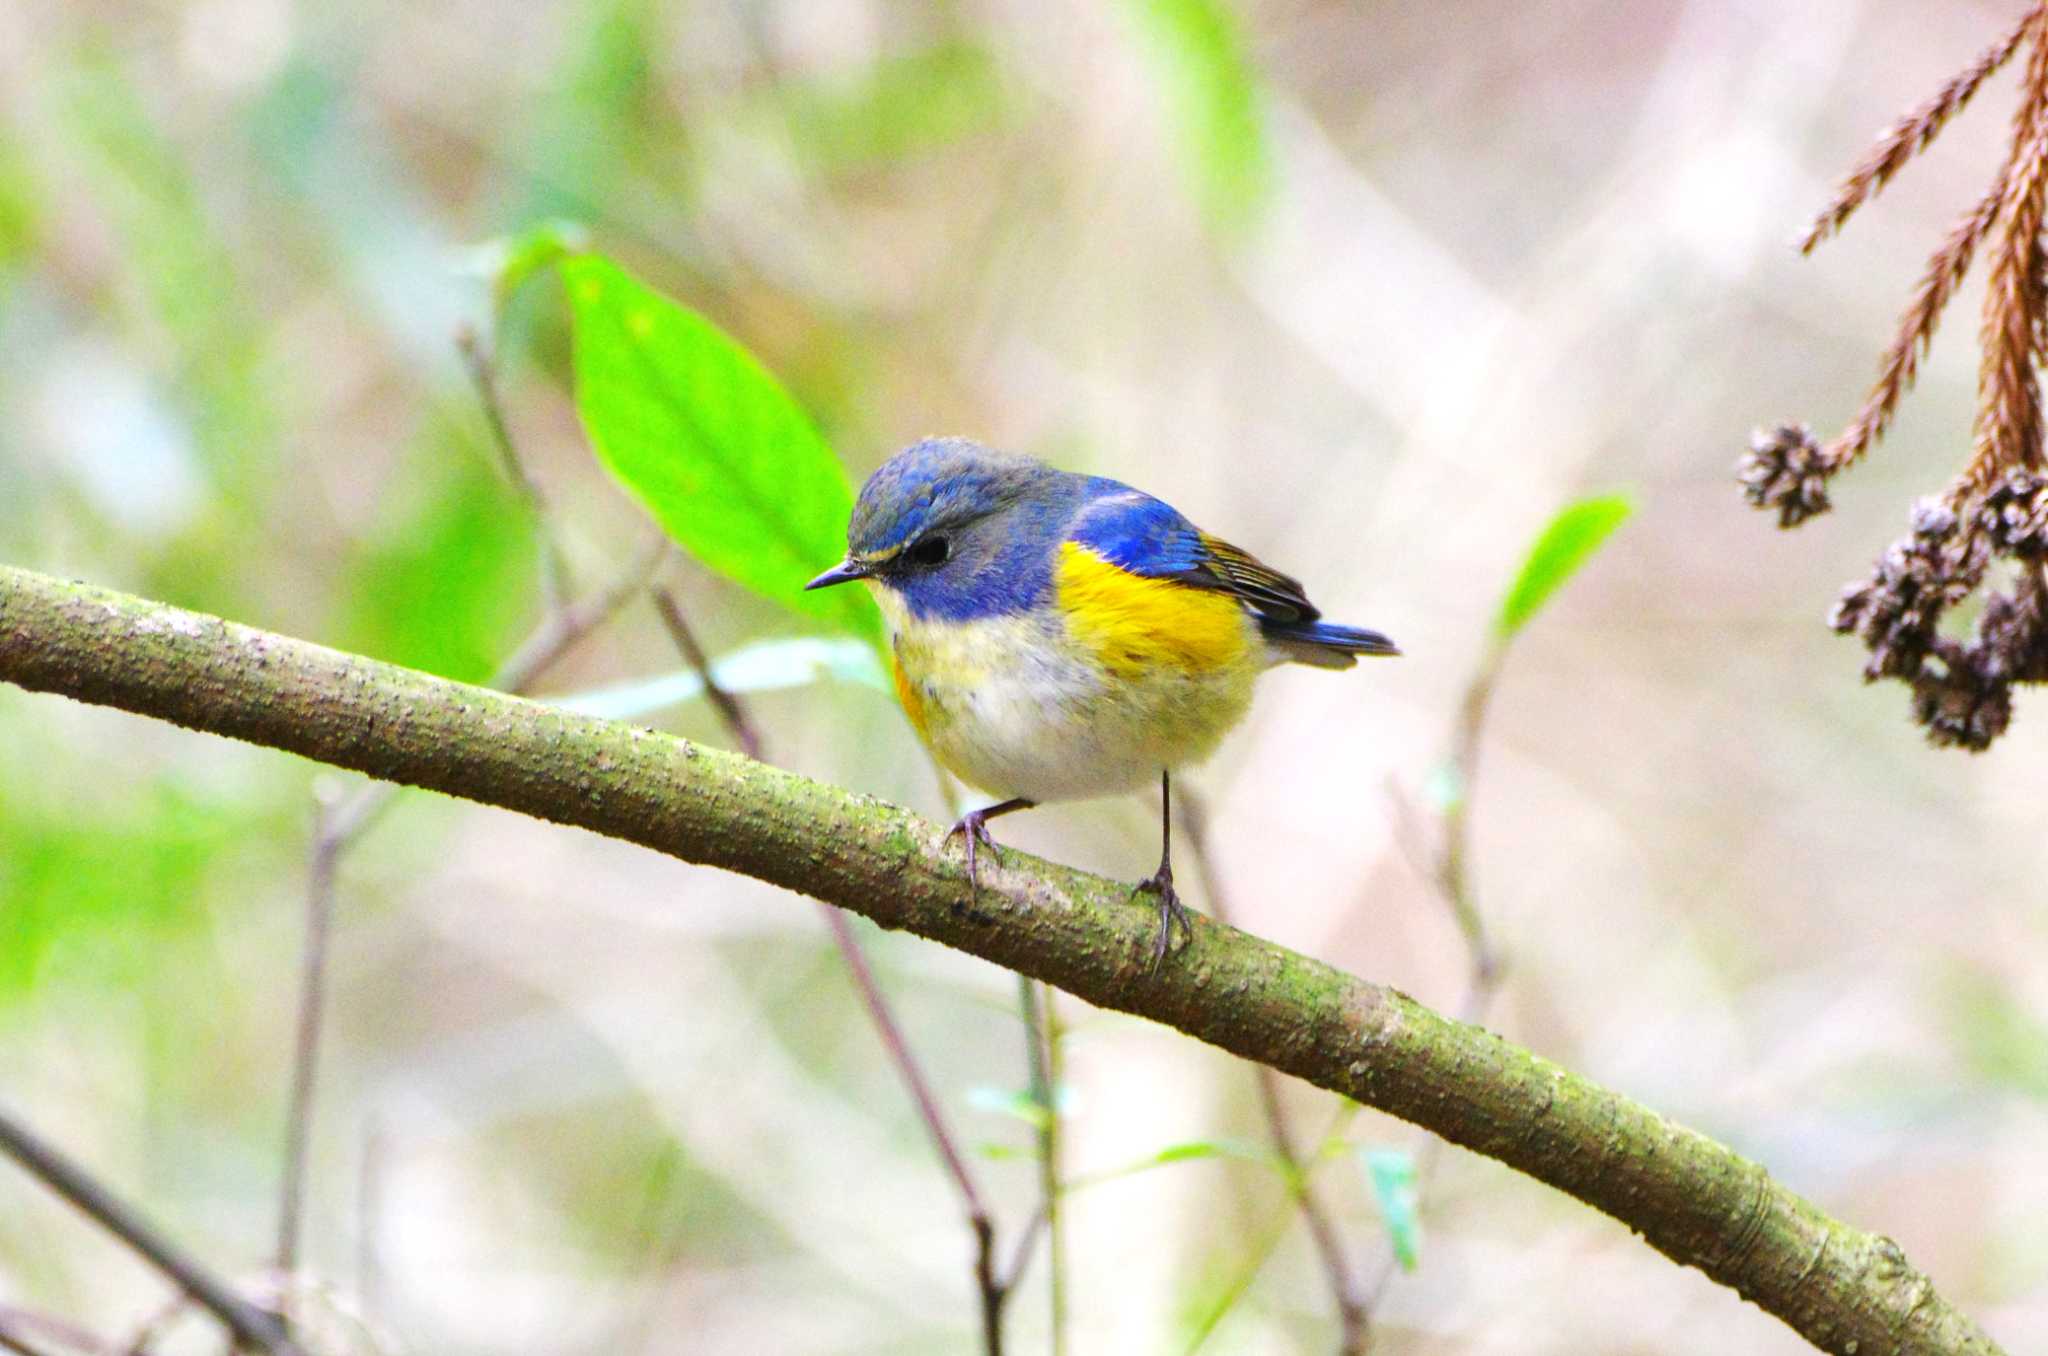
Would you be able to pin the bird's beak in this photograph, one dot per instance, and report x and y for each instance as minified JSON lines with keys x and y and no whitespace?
{"x":844,"y":572}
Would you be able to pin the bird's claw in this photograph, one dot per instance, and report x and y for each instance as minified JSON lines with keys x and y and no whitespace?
{"x":1172,"y":913}
{"x":973,"y":830}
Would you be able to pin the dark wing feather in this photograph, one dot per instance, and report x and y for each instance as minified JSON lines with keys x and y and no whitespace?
{"x":1269,"y":593}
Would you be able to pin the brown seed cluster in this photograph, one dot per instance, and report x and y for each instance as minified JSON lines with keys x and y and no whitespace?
{"x":1994,"y":510}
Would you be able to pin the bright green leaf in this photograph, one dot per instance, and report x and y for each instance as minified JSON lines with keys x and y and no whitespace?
{"x":710,"y":443}
{"x":1566,"y":544}
{"x":767,"y":666}
{"x":1218,"y":104}
{"x":1392,"y":1174}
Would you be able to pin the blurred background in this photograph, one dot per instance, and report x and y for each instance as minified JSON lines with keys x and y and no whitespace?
{"x":1370,"y":289}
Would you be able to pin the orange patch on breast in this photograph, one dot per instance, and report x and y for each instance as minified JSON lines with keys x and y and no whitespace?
{"x":1132,"y":624}
{"x":907,"y":693}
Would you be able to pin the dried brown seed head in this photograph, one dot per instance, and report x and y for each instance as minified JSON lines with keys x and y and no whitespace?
{"x":1785,"y":469}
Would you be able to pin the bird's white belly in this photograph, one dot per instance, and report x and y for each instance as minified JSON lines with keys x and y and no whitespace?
{"x":1013,"y":707}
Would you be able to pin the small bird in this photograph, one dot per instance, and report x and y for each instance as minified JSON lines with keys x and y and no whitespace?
{"x":1061,"y":636}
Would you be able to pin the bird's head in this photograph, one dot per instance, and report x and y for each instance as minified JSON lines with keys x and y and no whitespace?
{"x":954,"y":527}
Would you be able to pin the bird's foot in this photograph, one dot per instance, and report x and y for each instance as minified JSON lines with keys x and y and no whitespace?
{"x":973,"y":830}
{"x":1172,"y":913}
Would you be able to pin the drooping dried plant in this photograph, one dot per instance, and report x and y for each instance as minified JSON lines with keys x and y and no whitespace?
{"x":1996,"y":508}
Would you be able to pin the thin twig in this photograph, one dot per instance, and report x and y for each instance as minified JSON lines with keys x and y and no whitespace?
{"x":989,"y":1283}
{"x":250,"y":1325}
{"x":338,"y":826}
{"x":554,"y":569}
{"x":1046,"y":1060}
{"x":1329,"y":1243}
{"x":22,"y":1325}
{"x":1911,"y":134}
{"x":1453,"y":882}
{"x":1454,"y":872}
{"x":728,"y":706}
{"x":1945,"y":271}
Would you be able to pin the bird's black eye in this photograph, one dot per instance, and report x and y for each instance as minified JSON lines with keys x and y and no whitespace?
{"x":929,"y":551}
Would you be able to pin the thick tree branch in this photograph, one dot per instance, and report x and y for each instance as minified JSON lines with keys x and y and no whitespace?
{"x":1694,"y":1200}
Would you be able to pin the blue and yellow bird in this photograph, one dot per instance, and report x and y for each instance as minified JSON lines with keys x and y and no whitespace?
{"x":1061,"y":636}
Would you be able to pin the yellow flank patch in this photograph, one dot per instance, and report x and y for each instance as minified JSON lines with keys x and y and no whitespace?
{"x":912,"y":699}
{"x":1133,"y":624}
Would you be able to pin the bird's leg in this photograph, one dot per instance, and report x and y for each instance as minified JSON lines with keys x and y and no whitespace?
{"x":973,"y":829}
{"x":1172,"y":913}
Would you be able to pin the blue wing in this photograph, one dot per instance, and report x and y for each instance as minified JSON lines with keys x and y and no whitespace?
{"x":1138,"y":533}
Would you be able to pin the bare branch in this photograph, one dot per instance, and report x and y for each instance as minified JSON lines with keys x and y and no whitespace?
{"x":1696,"y":1201}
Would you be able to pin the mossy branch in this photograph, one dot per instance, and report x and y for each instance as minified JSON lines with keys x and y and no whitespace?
{"x":1694,"y":1200}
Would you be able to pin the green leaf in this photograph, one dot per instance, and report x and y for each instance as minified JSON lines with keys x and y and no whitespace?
{"x":1188,"y":1151}
{"x":1566,"y":544}
{"x":767,"y":666}
{"x":1218,"y":104}
{"x":1392,"y":1174}
{"x":507,"y":261}
{"x":710,"y":443}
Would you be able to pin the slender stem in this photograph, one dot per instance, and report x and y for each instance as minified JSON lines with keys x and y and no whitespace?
{"x":1047,"y":1070}
{"x":1696,"y":1201}
{"x":554,"y":568}
{"x":988,"y":1283}
{"x":728,"y":706}
{"x":338,"y":827}
{"x":1329,"y":1243}
{"x":1454,"y":877}
{"x":250,"y":1325}
{"x":306,"y":1039}
{"x":1453,"y":881}
{"x":22,"y":1326}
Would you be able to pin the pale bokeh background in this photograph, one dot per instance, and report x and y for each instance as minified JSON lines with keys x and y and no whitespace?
{"x":582,"y":1099}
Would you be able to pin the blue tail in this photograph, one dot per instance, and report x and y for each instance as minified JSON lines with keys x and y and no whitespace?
{"x":1325,"y":644}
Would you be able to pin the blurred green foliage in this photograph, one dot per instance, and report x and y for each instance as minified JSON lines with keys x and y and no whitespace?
{"x":1994,"y":1035}
{"x":116,"y":886}
{"x":587,"y":136}
{"x":897,"y":109}
{"x":449,"y":576}
{"x":186,"y":274}
{"x":18,"y":212}
{"x":1218,"y":105}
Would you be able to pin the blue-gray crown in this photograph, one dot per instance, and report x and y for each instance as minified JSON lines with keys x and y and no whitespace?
{"x":940,"y":482}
